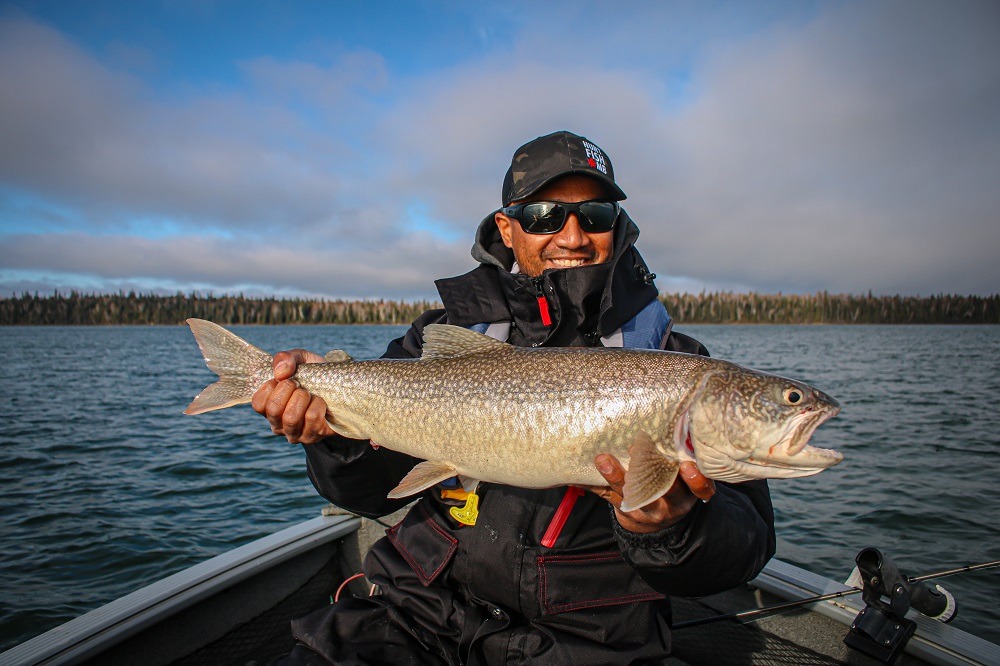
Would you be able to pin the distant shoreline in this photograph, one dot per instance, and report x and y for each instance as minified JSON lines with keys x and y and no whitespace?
{"x":704,"y":308}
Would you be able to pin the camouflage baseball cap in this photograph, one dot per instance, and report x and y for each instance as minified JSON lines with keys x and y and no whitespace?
{"x":548,"y":157}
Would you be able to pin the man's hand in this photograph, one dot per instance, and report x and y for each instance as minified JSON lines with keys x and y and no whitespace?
{"x":292,"y":411}
{"x":690,"y":486}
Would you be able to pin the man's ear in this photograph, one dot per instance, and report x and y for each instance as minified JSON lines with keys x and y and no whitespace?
{"x":503,"y":224}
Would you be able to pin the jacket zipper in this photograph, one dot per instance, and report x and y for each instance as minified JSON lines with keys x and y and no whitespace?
{"x":543,"y":303}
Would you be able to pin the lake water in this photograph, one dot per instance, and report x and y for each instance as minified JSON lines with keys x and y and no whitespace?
{"x":105,"y":486}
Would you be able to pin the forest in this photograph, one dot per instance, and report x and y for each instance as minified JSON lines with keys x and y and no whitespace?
{"x":79,"y":309}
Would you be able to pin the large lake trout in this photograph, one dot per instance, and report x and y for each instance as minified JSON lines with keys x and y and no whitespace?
{"x":484,"y":410}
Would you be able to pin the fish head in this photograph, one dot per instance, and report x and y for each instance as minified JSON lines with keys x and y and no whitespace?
{"x":745,"y":424}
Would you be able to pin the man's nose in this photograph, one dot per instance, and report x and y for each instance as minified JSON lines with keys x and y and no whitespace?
{"x":571,"y":235}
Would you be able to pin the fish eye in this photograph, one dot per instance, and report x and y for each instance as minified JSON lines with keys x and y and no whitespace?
{"x":792,"y":396}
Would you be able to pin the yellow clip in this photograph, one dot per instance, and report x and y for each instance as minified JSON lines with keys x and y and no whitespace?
{"x":467,"y":514}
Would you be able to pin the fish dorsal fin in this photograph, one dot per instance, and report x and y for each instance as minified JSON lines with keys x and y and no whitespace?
{"x":337,"y":356}
{"x":447,"y":341}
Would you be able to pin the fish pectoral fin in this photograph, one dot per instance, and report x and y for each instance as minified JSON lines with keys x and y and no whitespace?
{"x":422,"y":477}
{"x":650,"y":473}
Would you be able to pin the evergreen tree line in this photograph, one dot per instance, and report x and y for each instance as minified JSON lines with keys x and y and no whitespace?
{"x":704,"y":308}
{"x":825,"y":308}
{"x":147,"y":309}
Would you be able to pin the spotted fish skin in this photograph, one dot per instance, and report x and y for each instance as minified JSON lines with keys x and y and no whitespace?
{"x":487,"y":411}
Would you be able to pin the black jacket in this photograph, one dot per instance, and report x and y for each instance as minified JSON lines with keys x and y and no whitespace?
{"x":491,"y":593}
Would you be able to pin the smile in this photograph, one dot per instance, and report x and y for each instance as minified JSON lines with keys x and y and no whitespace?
{"x":568,"y":263}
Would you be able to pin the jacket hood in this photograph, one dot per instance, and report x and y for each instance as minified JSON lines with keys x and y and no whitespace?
{"x":585,"y":303}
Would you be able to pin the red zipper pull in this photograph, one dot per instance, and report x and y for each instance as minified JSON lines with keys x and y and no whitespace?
{"x":561,"y":516}
{"x":543,"y":309}
{"x":543,"y":304}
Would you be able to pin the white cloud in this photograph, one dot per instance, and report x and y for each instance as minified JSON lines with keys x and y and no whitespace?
{"x":851,"y":150}
{"x":100,"y":141}
{"x":855,"y":153}
{"x":398,"y":266}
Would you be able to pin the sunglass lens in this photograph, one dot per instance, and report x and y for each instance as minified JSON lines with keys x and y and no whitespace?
{"x":598,"y":216}
{"x":548,"y":217}
{"x":542,"y":218}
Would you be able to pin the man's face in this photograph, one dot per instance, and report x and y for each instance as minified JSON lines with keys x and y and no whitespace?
{"x":570,"y":246}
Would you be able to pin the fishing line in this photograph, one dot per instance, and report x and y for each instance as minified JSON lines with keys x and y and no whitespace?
{"x":788,"y":605}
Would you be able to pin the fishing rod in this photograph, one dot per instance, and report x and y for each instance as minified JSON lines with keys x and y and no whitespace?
{"x":965,"y":569}
{"x":788,"y":605}
{"x":742,"y":615}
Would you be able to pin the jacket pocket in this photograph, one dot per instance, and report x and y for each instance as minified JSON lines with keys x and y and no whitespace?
{"x":572,"y":582}
{"x":424,"y":544}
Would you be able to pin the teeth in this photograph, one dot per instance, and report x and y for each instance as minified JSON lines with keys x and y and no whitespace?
{"x":568,"y":263}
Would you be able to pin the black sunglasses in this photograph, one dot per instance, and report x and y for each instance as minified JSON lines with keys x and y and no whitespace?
{"x":549,"y":217}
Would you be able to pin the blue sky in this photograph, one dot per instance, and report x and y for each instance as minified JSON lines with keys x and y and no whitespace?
{"x":349,"y":149}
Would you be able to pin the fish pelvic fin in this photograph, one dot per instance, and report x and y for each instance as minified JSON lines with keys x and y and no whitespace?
{"x":447,"y":341}
{"x":241,"y":367}
{"x":650,"y":473}
{"x":421,"y":477}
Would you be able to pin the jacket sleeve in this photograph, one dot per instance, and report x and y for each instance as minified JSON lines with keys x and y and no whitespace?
{"x":719,"y":545}
{"x":350,"y":472}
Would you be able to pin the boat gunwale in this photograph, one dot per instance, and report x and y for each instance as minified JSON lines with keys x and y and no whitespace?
{"x":934,"y":641}
{"x":94,"y":632}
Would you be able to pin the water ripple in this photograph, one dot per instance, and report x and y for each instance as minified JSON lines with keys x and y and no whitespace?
{"x":107,"y":486}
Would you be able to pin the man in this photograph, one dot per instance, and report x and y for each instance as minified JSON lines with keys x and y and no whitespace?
{"x":541,"y":574}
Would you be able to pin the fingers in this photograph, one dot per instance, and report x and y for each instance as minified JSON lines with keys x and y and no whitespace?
{"x":292,"y":411}
{"x":286,"y":362}
{"x":261,"y":396}
{"x":605,"y":493}
{"x":614,"y":474}
{"x":611,"y":470}
{"x":700,"y":485}
{"x":315,"y":425}
{"x":276,"y":402}
{"x":290,"y":416}
{"x":690,"y":486}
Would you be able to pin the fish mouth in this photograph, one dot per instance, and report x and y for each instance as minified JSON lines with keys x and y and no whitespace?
{"x":801,"y":428}
{"x":792,"y":453}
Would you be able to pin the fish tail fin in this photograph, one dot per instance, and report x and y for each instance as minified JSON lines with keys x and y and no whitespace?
{"x":241,"y":367}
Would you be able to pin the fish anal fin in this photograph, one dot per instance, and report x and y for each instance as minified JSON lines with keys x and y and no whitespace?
{"x":650,"y":473}
{"x":447,"y":341}
{"x":422,"y":477}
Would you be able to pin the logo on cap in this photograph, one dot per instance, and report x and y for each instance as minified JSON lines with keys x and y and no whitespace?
{"x":595,"y":158}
